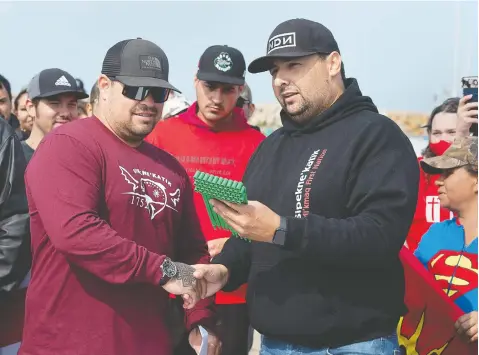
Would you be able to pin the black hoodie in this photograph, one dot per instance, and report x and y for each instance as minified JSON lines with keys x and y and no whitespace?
{"x":347,"y":183}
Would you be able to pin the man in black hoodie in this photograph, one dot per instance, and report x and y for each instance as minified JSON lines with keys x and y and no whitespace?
{"x":332,"y":195}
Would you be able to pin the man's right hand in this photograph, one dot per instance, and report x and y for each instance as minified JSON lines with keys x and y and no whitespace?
{"x":184,"y":283}
{"x":466,"y":116}
{"x":214,"y":277}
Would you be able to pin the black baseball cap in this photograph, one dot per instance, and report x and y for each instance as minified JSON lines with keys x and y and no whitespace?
{"x":295,"y":38}
{"x":222,"y":64}
{"x":52,"y":82}
{"x":138,"y":63}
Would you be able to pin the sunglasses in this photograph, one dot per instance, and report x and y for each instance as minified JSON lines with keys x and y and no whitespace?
{"x":139,"y":93}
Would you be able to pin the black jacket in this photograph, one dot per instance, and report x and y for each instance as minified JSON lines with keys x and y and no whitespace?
{"x":15,"y":259}
{"x":347,"y":183}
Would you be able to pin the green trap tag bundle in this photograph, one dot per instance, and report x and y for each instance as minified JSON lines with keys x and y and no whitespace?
{"x":215,"y":187}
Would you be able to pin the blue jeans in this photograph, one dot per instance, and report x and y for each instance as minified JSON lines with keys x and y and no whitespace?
{"x":380,"y":346}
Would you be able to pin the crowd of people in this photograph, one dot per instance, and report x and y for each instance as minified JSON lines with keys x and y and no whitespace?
{"x":99,"y":218}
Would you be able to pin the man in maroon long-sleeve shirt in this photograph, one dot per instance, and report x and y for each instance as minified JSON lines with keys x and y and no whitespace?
{"x":107,"y":212}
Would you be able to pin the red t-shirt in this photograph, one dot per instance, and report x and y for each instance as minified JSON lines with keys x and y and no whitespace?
{"x":103,"y":217}
{"x":428,"y":209}
{"x":224,"y":154}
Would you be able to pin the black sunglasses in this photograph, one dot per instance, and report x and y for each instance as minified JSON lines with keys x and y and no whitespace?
{"x":139,"y":93}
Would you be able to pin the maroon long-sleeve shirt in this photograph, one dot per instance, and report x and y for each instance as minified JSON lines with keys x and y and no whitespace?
{"x":103,"y":217}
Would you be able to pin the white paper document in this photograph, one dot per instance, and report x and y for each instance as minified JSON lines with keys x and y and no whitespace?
{"x":204,"y":341}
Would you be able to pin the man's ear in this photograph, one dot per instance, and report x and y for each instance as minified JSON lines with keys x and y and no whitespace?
{"x":104,"y":84}
{"x":334,"y":64}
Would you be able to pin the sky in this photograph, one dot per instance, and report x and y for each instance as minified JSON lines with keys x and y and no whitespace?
{"x":406,"y":55}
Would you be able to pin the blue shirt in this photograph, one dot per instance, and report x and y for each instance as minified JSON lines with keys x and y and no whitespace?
{"x":453,"y":264}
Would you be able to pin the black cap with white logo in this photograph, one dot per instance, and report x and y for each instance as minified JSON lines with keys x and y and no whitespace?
{"x":138,"y":63}
{"x":295,"y":38}
{"x":222,"y":64}
{"x":52,"y":82}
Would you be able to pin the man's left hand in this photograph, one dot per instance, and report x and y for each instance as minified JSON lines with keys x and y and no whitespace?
{"x":254,"y":220}
{"x":214,"y":344}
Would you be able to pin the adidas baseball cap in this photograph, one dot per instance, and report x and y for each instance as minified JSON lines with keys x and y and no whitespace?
{"x":138,"y":63}
{"x":222,"y":64}
{"x":462,"y":152}
{"x":295,"y":38}
{"x":52,"y":82}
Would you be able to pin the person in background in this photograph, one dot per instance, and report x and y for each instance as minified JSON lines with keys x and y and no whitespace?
{"x":53,"y":101}
{"x":94,"y":96}
{"x":6,"y":106}
{"x":220,"y":142}
{"x":449,"y":248}
{"x":245,"y":101}
{"x":82,"y":109}
{"x":109,"y":213}
{"x":15,"y":254}
{"x":175,"y":105}
{"x":441,"y":130}
{"x":20,"y":110}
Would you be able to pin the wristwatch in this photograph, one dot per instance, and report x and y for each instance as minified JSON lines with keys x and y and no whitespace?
{"x":169,"y":270}
{"x":279,"y":237}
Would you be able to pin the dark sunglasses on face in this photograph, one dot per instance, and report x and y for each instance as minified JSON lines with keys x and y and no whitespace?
{"x":139,"y":93}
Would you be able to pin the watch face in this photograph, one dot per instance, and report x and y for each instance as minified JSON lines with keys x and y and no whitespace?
{"x":169,"y":268}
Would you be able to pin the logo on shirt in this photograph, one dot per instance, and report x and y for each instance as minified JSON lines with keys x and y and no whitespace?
{"x":303,"y":189}
{"x":223,"y":62}
{"x":455,"y":272}
{"x":151,"y":191}
{"x":282,"y":40}
{"x":433,"y":210}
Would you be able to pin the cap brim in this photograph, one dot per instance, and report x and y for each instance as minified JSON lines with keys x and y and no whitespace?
{"x":436,"y":165}
{"x":79,"y":94}
{"x":265,"y":63}
{"x":218,"y":78}
{"x":144,"y":81}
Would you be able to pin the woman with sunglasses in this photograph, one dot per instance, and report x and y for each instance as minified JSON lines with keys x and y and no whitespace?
{"x":449,"y":248}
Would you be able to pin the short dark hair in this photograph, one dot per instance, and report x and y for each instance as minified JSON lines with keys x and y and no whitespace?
{"x":323,"y":56}
{"x":5,"y":84}
{"x":449,"y":105}
{"x":94,"y":94}
{"x":17,"y":98}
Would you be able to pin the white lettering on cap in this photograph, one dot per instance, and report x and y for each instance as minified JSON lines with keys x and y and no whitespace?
{"x":282,"y":40}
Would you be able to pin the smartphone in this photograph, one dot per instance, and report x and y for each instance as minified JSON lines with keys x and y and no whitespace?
{"x":469,"y":87}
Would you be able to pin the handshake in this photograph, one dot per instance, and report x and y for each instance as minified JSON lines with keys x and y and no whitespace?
{"x":195,"y":282}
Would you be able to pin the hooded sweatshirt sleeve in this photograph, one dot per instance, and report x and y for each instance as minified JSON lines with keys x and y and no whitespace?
{"x":382,"y":188}
{"x":14,"y":219}
{"x":64,"y":186}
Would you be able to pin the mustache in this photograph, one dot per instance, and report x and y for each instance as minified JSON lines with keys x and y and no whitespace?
{"x":219,"y":107}
{"x":142,"y":108}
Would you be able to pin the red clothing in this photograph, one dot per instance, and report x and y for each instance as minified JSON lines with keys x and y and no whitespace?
{"x":428,"y":209}
{"x":224,"y":153}
{"x":103,"y":217}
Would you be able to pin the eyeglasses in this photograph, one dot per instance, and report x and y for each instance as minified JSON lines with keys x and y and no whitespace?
{"x":139,"y":93}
